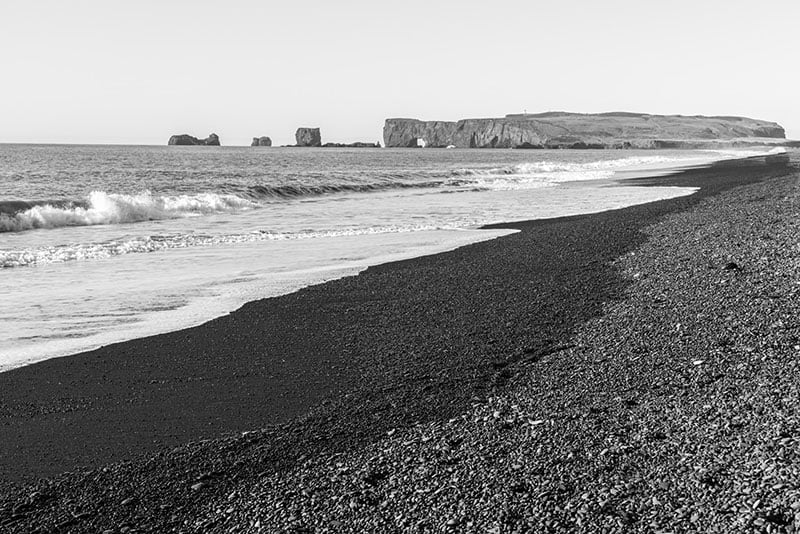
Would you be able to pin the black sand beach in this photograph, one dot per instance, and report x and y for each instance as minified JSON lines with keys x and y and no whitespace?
{"x":624,"y":371}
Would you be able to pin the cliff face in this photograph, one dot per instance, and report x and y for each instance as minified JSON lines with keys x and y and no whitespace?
{"x":406,"y":132}
{"x":575,"y":130}
{"x":186,"y":139}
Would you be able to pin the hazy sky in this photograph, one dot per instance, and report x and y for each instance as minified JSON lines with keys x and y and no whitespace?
{"x":106,"y":71}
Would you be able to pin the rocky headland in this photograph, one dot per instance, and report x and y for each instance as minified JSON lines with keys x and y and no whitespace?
{"x":578,"y":130}
{"x":261,"y":141}
{"x":186,"y":139}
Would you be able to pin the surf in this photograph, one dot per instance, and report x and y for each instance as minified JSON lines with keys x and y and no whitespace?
{"x":101,"y":208}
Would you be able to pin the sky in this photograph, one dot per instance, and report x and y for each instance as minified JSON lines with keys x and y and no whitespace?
{"x":107,"y":71}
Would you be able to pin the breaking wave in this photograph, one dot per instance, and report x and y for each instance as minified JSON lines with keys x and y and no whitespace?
{"x":103,"y":208}
{"x":111,"y":208}
{"x":292,"y":191}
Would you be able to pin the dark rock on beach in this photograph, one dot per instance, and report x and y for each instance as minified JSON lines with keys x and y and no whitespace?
{"x":308,"y":137}
{"x":584,"y":131}
{"x":261,"y":141}
{"x":186,"y":139}
{"x":601,"y":373}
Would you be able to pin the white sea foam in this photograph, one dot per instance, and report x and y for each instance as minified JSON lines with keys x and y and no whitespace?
{"x":742,"y":153}
{"x":96,"y":251}
{"x":113,"y":208}
{"x":589,"y":170}
{"x":64,"y":309}
{"x":523,"y":178}
{"x":549,"y":173}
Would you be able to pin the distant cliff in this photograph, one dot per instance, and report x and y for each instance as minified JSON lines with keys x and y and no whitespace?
{"x":186,"y":139}
{"x":576,"y":130}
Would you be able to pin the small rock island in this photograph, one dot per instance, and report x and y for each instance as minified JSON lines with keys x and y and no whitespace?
{"x":261,"y":141}
{"x":188,"y":140}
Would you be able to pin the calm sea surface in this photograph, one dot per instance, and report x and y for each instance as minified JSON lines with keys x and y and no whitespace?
{"x":105,"y":243}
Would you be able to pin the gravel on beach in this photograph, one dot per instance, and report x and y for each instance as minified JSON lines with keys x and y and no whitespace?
{"x":659,"y":394}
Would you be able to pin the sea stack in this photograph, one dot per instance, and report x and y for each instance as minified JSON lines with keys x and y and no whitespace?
{"x":261,"y":141}
{"x":186,"y":139}
{"x":308,"y":137}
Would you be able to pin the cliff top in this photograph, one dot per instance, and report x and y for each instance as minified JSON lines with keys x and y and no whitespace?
{"x":621,"y":114}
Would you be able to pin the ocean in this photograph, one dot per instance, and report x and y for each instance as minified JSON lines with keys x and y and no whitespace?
{"x":99,"y":244}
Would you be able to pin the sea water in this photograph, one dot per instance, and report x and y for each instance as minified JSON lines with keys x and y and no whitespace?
{"x":100,"y":244}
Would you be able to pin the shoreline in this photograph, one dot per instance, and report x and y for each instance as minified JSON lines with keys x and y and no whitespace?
{"x":203,"y":307}
{"x":415,"y":341}
{"x":223,"y":305}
